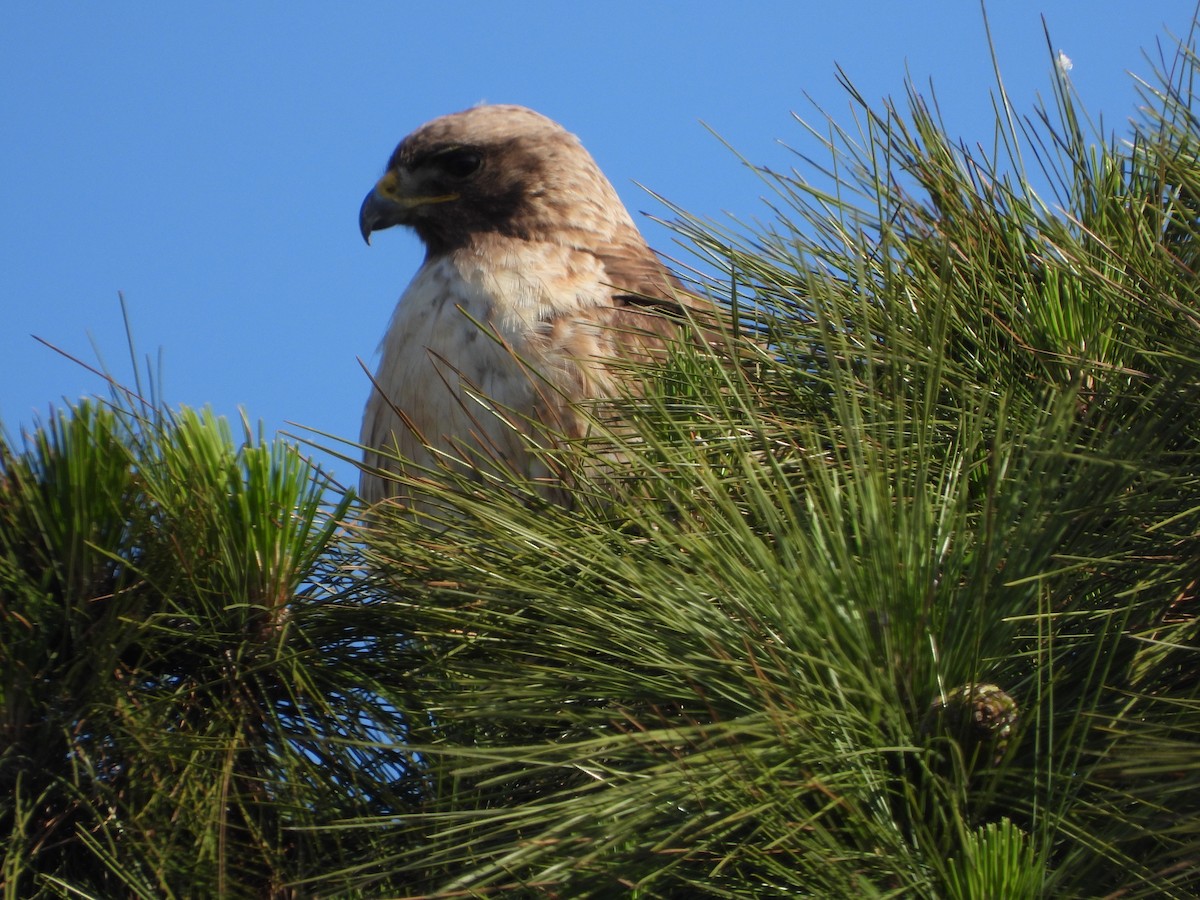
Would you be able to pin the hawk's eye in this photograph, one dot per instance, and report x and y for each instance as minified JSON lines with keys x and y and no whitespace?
{"x":459,"y":163}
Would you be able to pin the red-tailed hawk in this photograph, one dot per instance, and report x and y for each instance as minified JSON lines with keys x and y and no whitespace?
{"x":535,"y":278}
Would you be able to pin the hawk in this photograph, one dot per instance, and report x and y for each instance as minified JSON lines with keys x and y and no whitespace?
{"x":535,"y":285}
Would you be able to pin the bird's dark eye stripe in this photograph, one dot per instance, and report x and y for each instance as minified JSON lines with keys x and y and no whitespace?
{"x":458,"y":162}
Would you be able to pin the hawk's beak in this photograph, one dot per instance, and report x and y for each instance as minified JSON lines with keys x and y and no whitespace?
{"x":390,"y":203}
{"x":378,"y":213}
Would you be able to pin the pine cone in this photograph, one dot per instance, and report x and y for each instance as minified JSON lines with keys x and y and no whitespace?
{"x":980,"y":717}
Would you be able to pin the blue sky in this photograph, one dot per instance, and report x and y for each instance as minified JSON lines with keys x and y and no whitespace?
{"x":208,"y":160}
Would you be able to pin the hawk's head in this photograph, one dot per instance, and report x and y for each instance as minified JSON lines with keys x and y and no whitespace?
{"x":503,"y":170}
